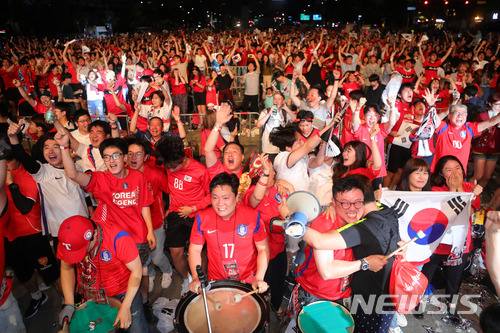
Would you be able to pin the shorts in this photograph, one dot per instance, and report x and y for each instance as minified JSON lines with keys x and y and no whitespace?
{"x":178,"y":230}
{"x":487,"y":157}
{"x":398,"y":156}
{"x":144,"y":253}
{"x":199,"y":98}
{"x":12,"y":94}
{"x":27,"y":253}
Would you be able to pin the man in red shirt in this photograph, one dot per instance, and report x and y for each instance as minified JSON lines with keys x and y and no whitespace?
{"x":107,"y":265}
{"x":40,"y":106}
{"x":188,"y":186}
{"x":27,"y":249}
{"x":431,"y":64}
{"x":236,"y":238}
{"x":233,"y":153}
{"x":10,"y":315}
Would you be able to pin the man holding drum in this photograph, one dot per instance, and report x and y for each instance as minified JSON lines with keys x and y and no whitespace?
{"x":107,"y":263}
{"x":236,"y":239}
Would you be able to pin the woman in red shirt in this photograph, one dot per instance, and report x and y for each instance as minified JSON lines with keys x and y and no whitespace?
{"x":198,"y":83}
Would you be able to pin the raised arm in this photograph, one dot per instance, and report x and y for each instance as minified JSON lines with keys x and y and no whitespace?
{"x":222,"y":116}
{"x":23,"y":93}
{"x":449,"y":52}
{"x":293,"y":96}
{"x":82,"y":179}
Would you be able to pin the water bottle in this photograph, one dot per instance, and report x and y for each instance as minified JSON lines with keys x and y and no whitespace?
{"x":49,"y":115}
{"x":275,"y":109}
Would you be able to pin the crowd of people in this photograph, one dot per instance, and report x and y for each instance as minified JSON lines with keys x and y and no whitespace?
{"x":108,"y":189}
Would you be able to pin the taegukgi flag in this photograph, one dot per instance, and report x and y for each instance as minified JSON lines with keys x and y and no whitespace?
{"x":442,"y":216}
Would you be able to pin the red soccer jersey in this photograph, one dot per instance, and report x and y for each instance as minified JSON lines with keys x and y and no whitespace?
{"x":218,"y":146}
{"x":347,"y":134}
{"x":431,"y":70}
{"x":218,"y":167}
{"x":39,"y":107}
{"x":107,"y":268}
{"x":121,"y":201}
{"x":408,"y":76}
{"x":201,"y":80}
{"x":268,"y":208}
{"x":314,"y":132}
{"x":72,"y":71}
{"x":308,"y":276}
{"x":18,"y":224}
{"x":157,"y":182}
{"x":120,"y":84}
{"x":453,"y":141}
{"x":405,"y":114}
{"x":229,"y":240}
{"x":177,"y":89}
{"x":52,"y":86}
{"x":189,"y":187}
{"x":363,"y":135}
{"x":349,"y":87}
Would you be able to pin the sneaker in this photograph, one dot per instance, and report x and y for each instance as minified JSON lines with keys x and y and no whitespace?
{"x":151,"y":284}
{"x":185,"y":287}
{"x":166,"y":280}
{"x":395,"y":330}
{"x":35,"y":305}
{"x":401,"y":320}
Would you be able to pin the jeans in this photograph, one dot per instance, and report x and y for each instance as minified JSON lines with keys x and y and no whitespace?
{"x":10,"y":316}
{"x":158,"y":256}
{"x":139,"y":323}
{"x":95,"y":107}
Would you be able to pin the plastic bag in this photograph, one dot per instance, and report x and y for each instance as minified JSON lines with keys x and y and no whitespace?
{"x":407,"y":286}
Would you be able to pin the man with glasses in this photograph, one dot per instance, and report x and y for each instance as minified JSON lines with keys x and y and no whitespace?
{"x":454,"y":136}
{"x":81,"y":133}
{"x":123,"y":194}
{"x":370,"y":239}
{"x":326,"y":274}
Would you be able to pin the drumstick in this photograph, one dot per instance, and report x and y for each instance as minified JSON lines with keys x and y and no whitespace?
{"x":420,"y":235}
{"x":237,"y":297}
{"x":217,"y":304}
{"x":65,"y":326}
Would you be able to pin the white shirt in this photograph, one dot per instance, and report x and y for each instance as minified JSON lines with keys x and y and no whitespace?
{"x":95,"y":164}
{"x":297,"y":175}
{"x":61,"y":197}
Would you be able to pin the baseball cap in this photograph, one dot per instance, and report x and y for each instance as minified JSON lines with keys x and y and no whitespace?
{"x":74,"y":236}
{"x":46,"y":93}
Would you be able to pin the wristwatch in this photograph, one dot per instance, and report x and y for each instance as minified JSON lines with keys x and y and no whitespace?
{"x":364,"y":265}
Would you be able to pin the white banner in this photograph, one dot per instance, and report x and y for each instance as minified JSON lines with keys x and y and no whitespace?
{"x":442,"y":216}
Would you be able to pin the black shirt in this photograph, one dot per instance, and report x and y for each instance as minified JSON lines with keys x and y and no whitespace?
{"x":224,"y":82}
{"x":375,"y":96}
{"x":377,"y":233}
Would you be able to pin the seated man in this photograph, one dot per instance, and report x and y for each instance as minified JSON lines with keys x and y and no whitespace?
{"x":236,"y":239}
{"x":107,"y":264}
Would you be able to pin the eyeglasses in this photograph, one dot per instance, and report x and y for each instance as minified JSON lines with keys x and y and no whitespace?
{"x":347,"y":204}
{"x":84,"y":121}
{"x":138,"y":154}
{"x":459,"y":113}
{"x":115,"y":156}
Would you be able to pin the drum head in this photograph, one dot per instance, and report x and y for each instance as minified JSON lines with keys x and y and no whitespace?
{"x":249,"y":315}
{"x":325,"y":317}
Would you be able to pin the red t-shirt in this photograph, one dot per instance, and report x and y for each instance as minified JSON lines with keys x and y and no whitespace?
{"x":408,"y":76}
{"x":108,"y":268}
{"x":201,"y":80}
{"x":363,"y":135}
{"x":405,"y":114}
{"x":268,"y":208}
{"x":476,"y":206}
{"x":189,"y":187}
{"x":347,"y":134}
{"x":348,"y":87}
{"x":72,"y":71}
{"x":120,"y":84}
{"x":157,"y":182}
{"x":431,"y":70}
{"x":218,"y":146}
{"x":232,"y":239}
{"x":314,"y":132}
{"x":177,"y":89}
{"x":19,"y":225}
{"x":218,"y":167}
{"x":307,"y":273}
{"x":52,"y":86}
{"x":121,"y":201}
{"x":452,"y":141}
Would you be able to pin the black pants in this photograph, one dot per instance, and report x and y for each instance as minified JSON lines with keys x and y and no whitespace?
{"x":275,"y":278}
{"x":454,"y":274}
{"x":250,"y":103}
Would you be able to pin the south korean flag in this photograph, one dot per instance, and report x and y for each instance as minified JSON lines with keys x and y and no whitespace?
{"x":442,"y":216}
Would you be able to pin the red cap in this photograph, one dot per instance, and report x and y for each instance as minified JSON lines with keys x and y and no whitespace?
{"x":74,"y":236}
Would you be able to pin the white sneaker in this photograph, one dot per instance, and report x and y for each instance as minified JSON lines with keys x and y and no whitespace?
{"x":185,"y":287}
{"x":401,"y":319}
{"x":151,"y":284}
{"x":166,"y":280}
{"x":395,"y":330}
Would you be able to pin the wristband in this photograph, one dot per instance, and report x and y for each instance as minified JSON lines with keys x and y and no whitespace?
{"x":217,"y":128}
{"x":193,"y":209}
{"x":178,"y":121}
{"x":67,"y":304}
{"x":261,"y":183}
{"x":63,"y":147}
